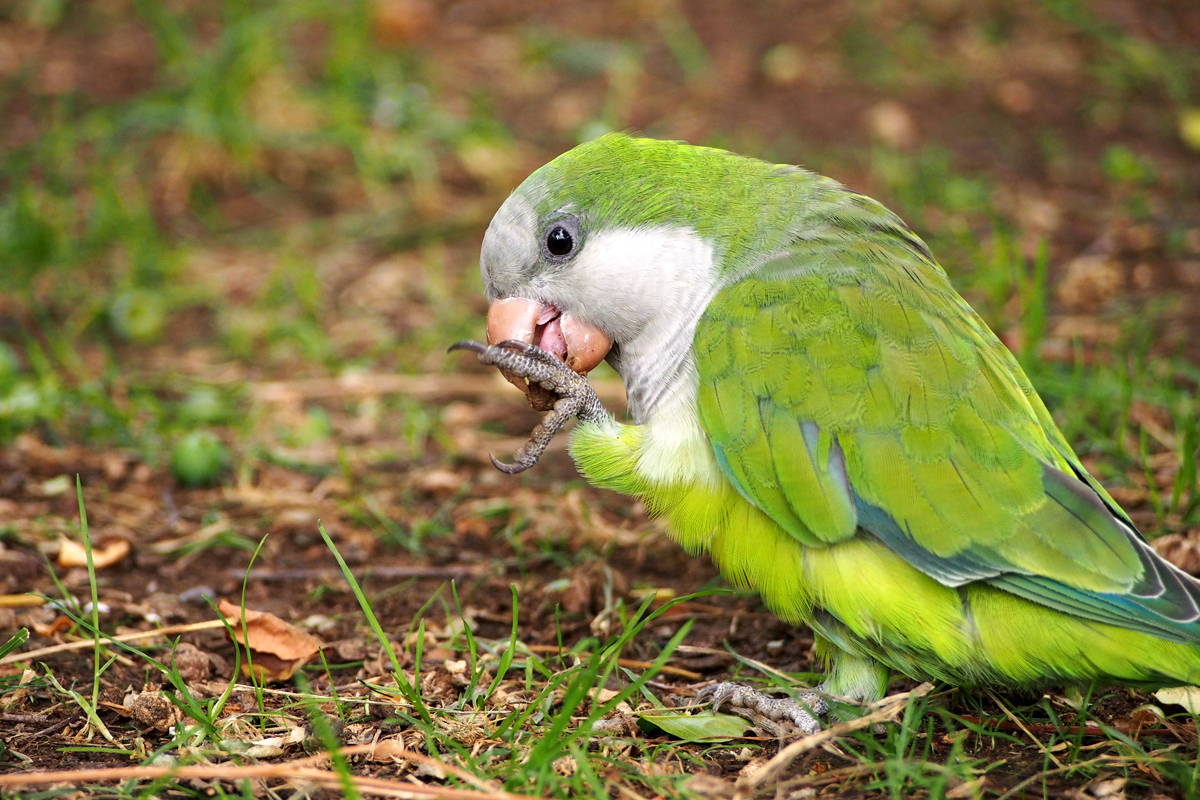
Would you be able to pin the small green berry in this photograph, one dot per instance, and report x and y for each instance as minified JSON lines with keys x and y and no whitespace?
{"x":198,"y":459}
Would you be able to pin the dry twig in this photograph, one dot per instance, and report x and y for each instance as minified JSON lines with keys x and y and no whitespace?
{"x":170,"y":630}
{"x":748,"y":785}
{"x":301,"y":769}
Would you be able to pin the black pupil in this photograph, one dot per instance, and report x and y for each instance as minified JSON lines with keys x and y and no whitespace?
{"x":558,"y":241}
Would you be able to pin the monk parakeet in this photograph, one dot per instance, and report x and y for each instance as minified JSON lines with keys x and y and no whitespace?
{"x":815,"y":407}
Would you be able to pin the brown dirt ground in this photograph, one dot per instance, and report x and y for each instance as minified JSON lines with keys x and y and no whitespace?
{"x":494,"y":531}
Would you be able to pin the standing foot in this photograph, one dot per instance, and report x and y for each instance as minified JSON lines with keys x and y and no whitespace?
{"x":769,"y":713}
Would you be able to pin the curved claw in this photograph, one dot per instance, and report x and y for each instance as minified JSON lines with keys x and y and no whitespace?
{"x":716,"y":693}
{"x":508,"y":469}
{"x":467,"y":344}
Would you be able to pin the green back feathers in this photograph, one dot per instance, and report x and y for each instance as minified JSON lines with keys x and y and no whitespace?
{"x":892,"y":477}
{"x":844,"y":384}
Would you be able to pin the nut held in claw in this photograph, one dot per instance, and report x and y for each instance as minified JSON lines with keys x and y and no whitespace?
{"x":580,"y":345}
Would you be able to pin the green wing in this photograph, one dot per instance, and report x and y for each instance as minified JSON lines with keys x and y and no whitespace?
{"x":846,"y":387}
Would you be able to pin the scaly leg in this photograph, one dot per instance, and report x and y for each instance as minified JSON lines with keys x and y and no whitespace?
{"x":765,"y":711}
{"x":576,"y":396}
{"x":851,"y":677}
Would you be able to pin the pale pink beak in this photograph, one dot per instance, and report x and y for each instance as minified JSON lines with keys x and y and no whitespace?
{"x":577,"y":344}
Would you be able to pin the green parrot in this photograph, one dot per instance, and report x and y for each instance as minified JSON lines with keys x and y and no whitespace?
{"x":815,"y":406}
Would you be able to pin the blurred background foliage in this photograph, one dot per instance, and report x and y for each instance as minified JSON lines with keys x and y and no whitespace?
{"x":199,"y":196}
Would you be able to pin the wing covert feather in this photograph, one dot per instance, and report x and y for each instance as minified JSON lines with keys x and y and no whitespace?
{"x":848,"y":388}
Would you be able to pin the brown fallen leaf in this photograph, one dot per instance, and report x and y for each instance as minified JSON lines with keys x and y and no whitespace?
{"x":1186,"y":696}
{"x":277,"y":648}
{"x":892,"y":123}
{"x":1181,"y":549}
{"x":401,"y":22}
{"x":72,"y":554}
{"x":1090,"y":281}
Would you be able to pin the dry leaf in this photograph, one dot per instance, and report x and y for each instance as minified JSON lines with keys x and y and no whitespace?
{"x":72,"y":554}
{"x":387,"y":750}
{"x":1186,"y":696}
{"x":1104,"y":788}
{"x":15,"y":700}
{"x":968,"y":789}
{"x":709,"y":786}
{"x":893,"y":124}
{"x":277,"y":648}
{"x":441,"y":483}
{"x":401,"y":22}
{"x":1016,"y":96}
{"x":1181,"y":549}
{"x":1090,"y":281}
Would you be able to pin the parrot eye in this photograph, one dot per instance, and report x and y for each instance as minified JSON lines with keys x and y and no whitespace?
{"x":559,"y":241}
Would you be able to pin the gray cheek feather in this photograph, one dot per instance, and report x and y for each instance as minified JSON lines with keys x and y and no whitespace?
{"x":510,"y":250}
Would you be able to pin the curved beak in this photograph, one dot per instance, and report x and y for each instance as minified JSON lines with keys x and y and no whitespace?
{"x":579,"y":345}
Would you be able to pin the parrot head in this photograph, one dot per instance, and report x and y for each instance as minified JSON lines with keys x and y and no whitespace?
{"x":529,"y":267}
{"x":609,"y":252}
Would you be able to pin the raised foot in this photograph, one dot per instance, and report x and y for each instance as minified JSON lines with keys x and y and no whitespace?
{"x":769,"y":713}
{"x":576,"y":397}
